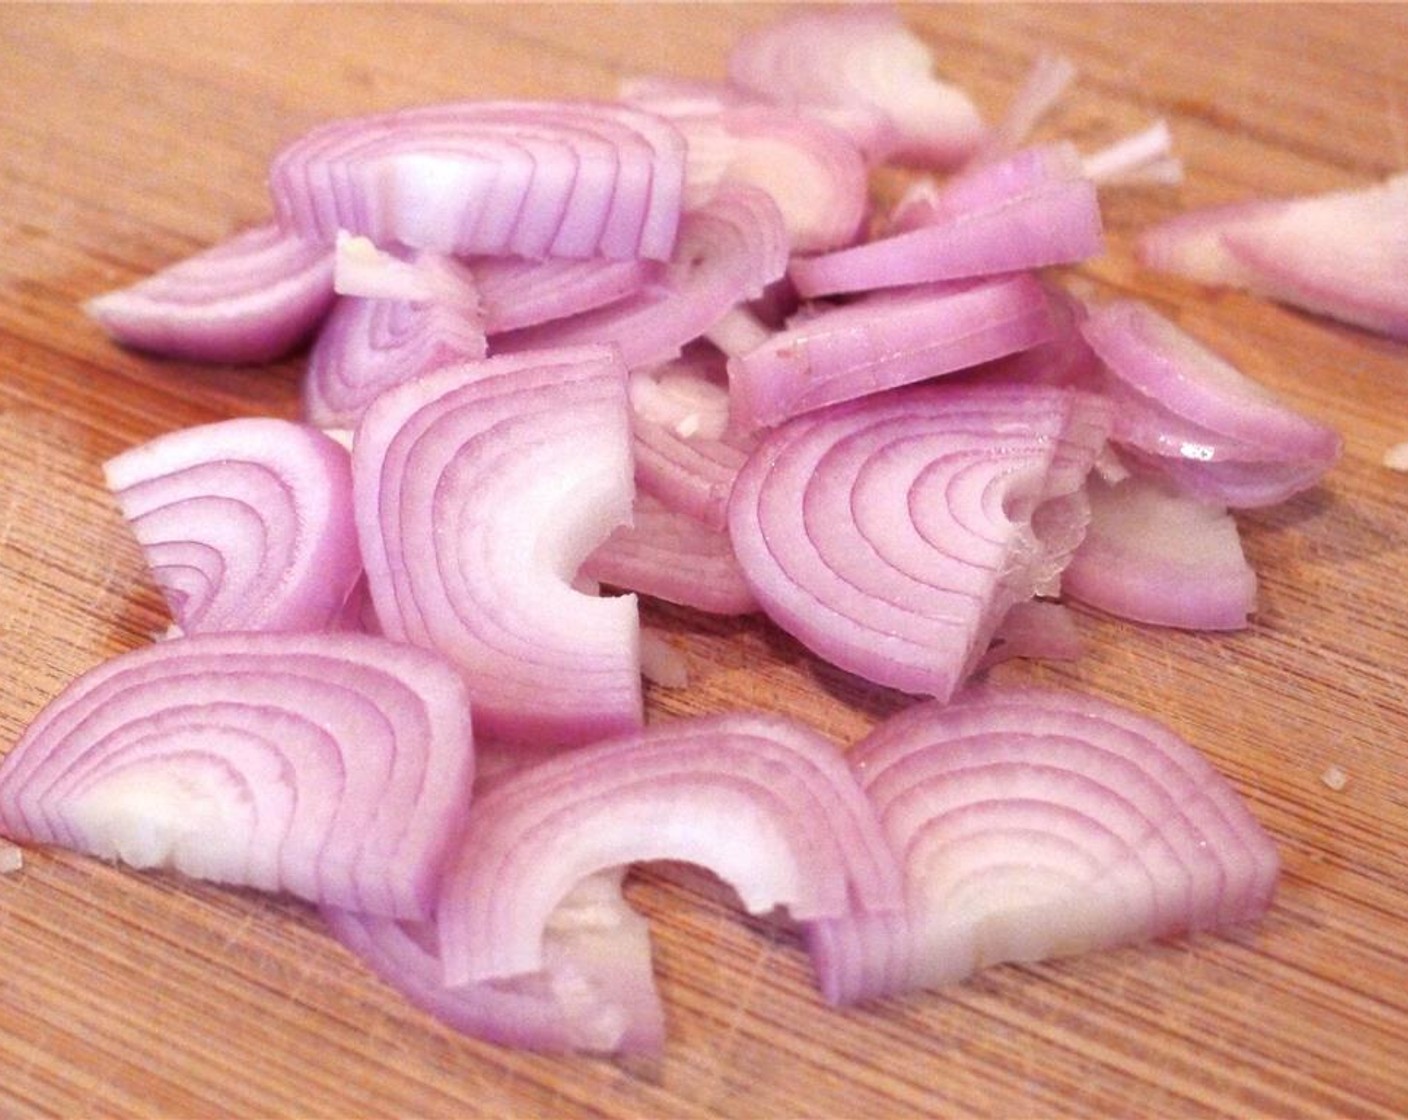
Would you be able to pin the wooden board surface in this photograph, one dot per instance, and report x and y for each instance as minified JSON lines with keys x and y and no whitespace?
{"x":132,"y":136}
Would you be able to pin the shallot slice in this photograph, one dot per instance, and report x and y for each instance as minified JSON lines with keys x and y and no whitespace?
{"x":769,"y":806}
{"x":595,"y":993}
{"x":1153,"y":555}
{"x":251,"y":298}
{"x":1197,"y":418}
{"x":479,"y":489}
{"x":336,"y":767}
{"x":729,"y":251}
{"x":861,"y":57}
{"x":891,"y":535}
{"x":1343,"y":253}
{"x":1036,"y":824}
{"x":532,"y":179}
{"x":245,"y":524}
{"x":830,"y":354}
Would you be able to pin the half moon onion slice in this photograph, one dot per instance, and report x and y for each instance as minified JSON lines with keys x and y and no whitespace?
{"x":837,"y":353}
{"x":1037,"y":824}
{"x":595,"y":993}
{"x":861,"y":57}
{"x":890,"y":535}
{"x":252,"y":298}
{"x":1153,"y":555}
{"x":245,"y":524}
{"x":479,"y":490}
{"x":530,"y":179}
{"x":1342,"y":254}
{"x":336,"y":767}
{"x":764,"y":803}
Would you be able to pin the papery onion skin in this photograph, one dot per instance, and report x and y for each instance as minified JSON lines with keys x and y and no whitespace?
{"x":891,"y":534}
{"x":1040,"y":823}
{"x":245,"y":524}
{"x":763,"y":802}
{"x":336,"y":767}
{"x":479,"y":489}
{"x":883,"y":340}
{"x":1342,"y":253}
{"x":525,"y":178}
{"x":251,"y":298}
{"x":1154,"y":556}
{"x":596,"y":993}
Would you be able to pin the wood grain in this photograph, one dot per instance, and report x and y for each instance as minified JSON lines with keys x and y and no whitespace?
{"x":130,"y":136}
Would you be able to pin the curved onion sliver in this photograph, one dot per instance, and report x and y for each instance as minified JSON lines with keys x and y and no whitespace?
{"x":336,"y":767}
{"x":479,"y":489}
{"x":769,"y":806}
{"x":245,"y":524}
{"x":1040,"y":823}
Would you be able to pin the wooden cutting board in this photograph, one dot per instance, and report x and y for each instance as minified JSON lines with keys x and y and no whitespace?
{"x":131,"y":136}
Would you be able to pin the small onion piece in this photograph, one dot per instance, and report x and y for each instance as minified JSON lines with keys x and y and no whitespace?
{"x":1156,"y":556}
{"x":864,"y":58}
{"x":769,"y":806}
{"x":531,"y":179}
{"x":1342,"y":253}
{"x":729,"y":251}
{"x":245,"y":524}
{"x":891,"y":535}
{"x":1193,"y":416}
{"x":252,"y":298}
{"x":336,"y":767}
{"x":830,"y":354}
{"x":595,"y":994}
{"x":1035,"y":824}
{"x":673,"y":557}
{"x":479,"y":489}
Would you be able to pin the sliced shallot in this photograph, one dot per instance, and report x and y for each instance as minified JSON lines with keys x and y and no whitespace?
{"x":336,"y":767}
{"x":245,"y":524}
{"x":891,"y":535}
{"x":531,"y":179}
{"x":767,"y":805}
{"x":1343,"y":254}
{"x":251,"y":298}
{"x":1037,"y":824}
{"x":1153,"y":555}
{"x":479,"y":490}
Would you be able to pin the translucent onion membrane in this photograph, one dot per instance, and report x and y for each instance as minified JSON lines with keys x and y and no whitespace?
{"x":368,"y":345}
{"x":245,"y":524}
{"x":861,"y":57}
{"x":1036,"y":628}
{"x":1156,"y":556}
{"x":813,"y":171}
{"x":479,"y":489}
{"x":1342,"y":254}
{"x":729,"y":251}
{"x":683,"y":456}
{"x":891,"y":535}
{"x":764,"y":803}
{"x":1037,"y":824}
{"x":833,"y":353}
{"x":335,"y":767}
{"x":672,"y":556}
{"x":251,"y":298}
{"x":1057,"y":222}
{"x":595,"y":992}
{"x":531,"y":179}
{"x":1047,"y":80}
{"x":1191,"y":415}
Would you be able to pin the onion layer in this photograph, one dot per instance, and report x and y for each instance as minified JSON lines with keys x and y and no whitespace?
{"x":336,"y":767}
{"x":1037,"y":824}
{"x":479,"y":490}
{"x":766,"y":804}
{"x":245,"y":524}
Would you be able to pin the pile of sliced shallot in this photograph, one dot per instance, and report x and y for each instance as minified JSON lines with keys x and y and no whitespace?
{"x":669,"y":345}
